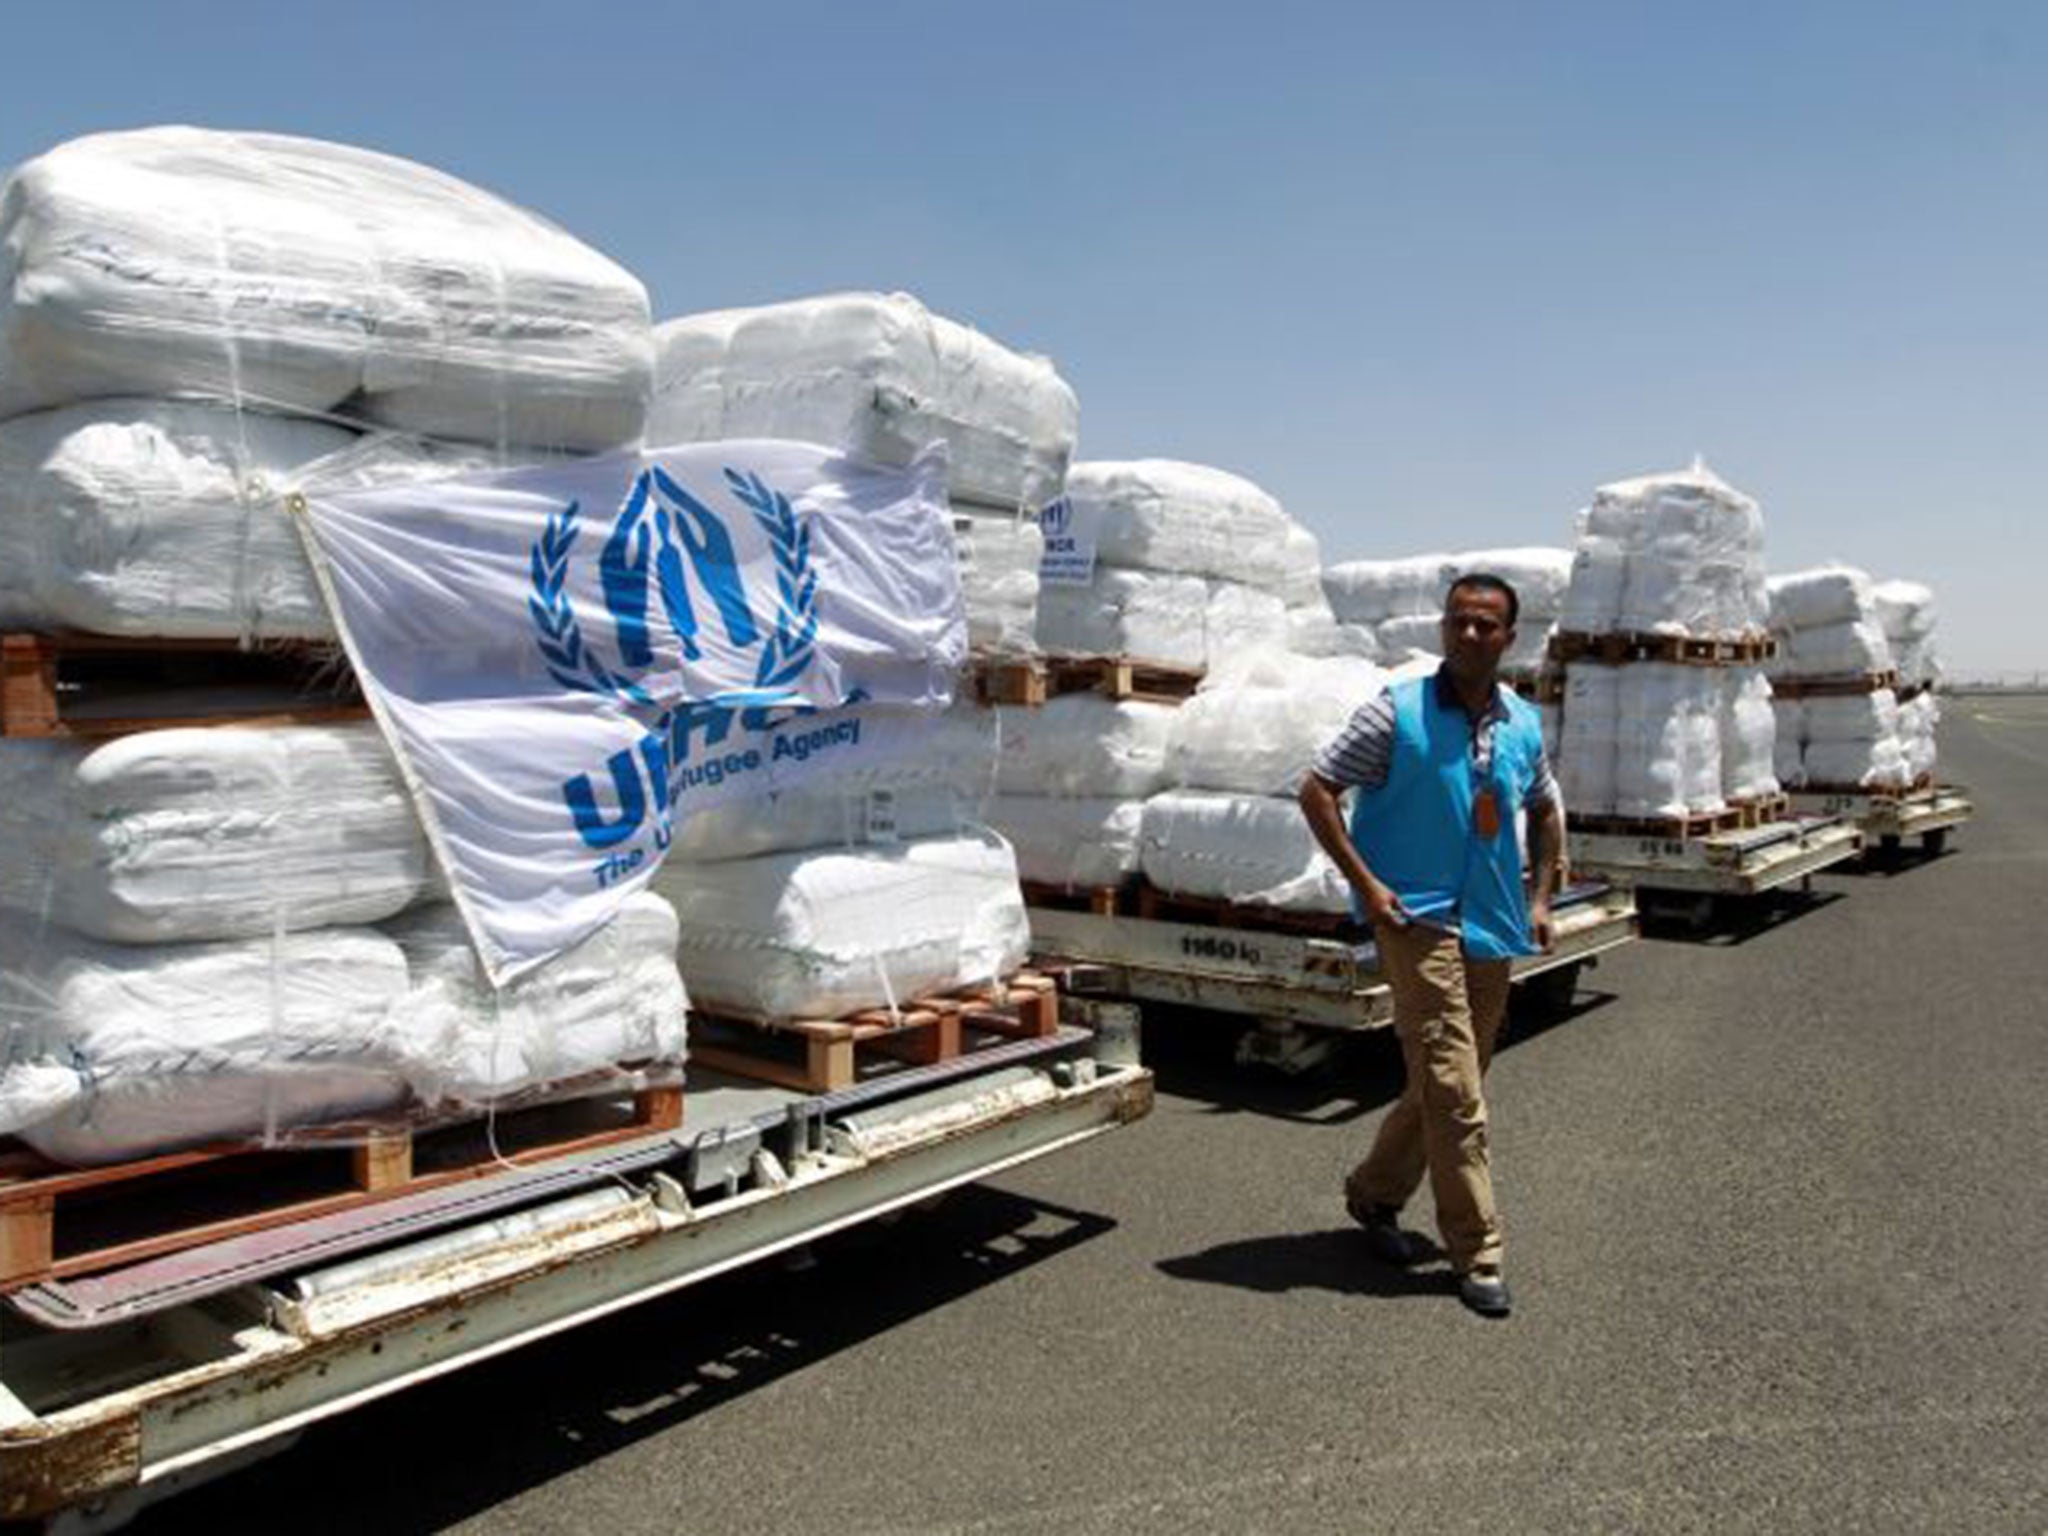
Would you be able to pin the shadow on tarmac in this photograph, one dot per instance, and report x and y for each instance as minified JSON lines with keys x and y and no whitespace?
{"x":1890,"y":863}
{"x":1724,"y":921}
{"x":1333,"y":1260}
{"x":1193,"y":1056}
{"x":450,"y":1450}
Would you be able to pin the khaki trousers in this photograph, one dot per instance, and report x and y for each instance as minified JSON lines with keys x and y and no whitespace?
{"x":1447,"y":1011}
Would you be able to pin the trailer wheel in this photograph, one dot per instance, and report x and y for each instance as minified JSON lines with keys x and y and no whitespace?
{"x":1932,"y":843}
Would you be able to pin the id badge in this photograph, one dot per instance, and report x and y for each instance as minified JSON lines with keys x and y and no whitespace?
{"x":1486,"y":815}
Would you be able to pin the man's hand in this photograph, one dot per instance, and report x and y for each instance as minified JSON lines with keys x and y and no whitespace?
{"x":1382,"y":906}
{"x":1542,"y":927}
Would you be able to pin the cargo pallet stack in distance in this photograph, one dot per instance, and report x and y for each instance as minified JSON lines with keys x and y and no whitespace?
{"x":1754,"y":845}
{"x":1288,"y":972}
{"x":1926,"y":809}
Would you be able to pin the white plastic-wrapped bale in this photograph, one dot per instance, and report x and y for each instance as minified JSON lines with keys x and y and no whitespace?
{"x":878,"y":375}
{"x":1668,"y":742}
{"x":1749,"y":735}
{"x":1673,"y":554}
{"x":1190,"y":519}
{"x":1313,"y":630}
{"x":1852,"y":741}
{"x":1919,"y":717}
{"x":898,"y":773}
{"x":1374,"y":591}
{"x":301,"y":276}
{"x":1145,"y":614}
{"x":1589,"y":737}
{"x":1239,"y":619}
{"x":821,"y":934}
{"x":1083,"y":744}
{"x":1301,"y":579}
{"x":1398,"y":639}
{"x":162,"y":518}
{"x":1250,"y":849}
{"x":999,"y":561}
{"x":1906,"y":611}
{"x":1827,"y":623}
{"x":1071,"y":841}
{"x":611,"y":1007}
{"x":231,"y":832}
{"x":1788,"y":744}
{"x":1256,"y":727}
{"x":114,"y":1051}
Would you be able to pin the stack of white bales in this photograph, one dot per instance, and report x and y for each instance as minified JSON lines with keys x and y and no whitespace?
{"x":191,"y":324}
{"x":1071,"y":789}
{"x":1907,"y":611}
{"x":1192,"y":564}
{"x":866,"y":883}
{"x":1230,"y":828}
{"x":1669,"y":554}
{"x":1313,"y":628}
{"x":882,"y":377}
{"x":1832,"y":657}
{"x":1402,"y":600}
{"x":1672,"y":555}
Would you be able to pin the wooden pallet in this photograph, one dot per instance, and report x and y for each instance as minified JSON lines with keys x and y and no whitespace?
{"x":1172,"y":907}
{"x":57,"y":1221}
{"x":1666,"y":828}
{"x":823,"y":1055}
{"x":1834,"y":687}
{"x":1761,"y":810}
{"x":1034,"y":679}
{"x":1102,"y":900}
{"x":1682,"y":650}
{"x":1867,"y":791}
{"x":1544,"y":686}
{"x":72,"y":685}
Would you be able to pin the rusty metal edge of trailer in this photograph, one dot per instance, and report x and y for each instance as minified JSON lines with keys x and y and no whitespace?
{"x":1910,"y":815}
{"x":293,"y":1367}
{"x":1803,"y":851}
{"x":1315,"y":982}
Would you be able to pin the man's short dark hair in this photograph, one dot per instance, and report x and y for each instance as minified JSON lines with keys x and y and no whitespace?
{"x":1486,"y":581}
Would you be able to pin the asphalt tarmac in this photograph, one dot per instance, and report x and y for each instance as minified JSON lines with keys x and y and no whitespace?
{"x":1776,"y":1228}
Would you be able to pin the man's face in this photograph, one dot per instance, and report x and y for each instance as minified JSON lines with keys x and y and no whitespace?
{"x":1476,"y":632}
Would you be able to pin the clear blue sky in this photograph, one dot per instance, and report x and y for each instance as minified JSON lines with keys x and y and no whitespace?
{"x":1428,"y":273}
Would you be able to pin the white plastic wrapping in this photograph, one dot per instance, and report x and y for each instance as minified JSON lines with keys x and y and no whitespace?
{"x":1749,"y":735}
{"x":1668,"y":754}
{"x":1301,"y":579}
{"x":1312,"y":630}
{"x":1373,"y":591}
{"x":1241,"y":618}
{"x":871,"y":796}
{"x":1399,"y":638}
{"x":1070,"y":840}
{"x":1540,"y":575}
{"x":1163,"y":515}
{"x":825,"y":933}
{"x":1589,"y":737}
{"x":878,"y":375}
{"x":1853,"y":741}
{"x":1256,"y":728}
{"x":219,"y":833}
{"x":1240,"y":848}
{"x":1919,"y":718}
{"x":1833,"y":650}
{"x":1826,"y":594}
{"x":309,"y":277}
{"x":113,"y":1051}
{"x":1084,"y":744}
{"x":1906,"y":609}
{"x":164,"y":518}
{"x":1788,"y":743}
{"x":1145,"y":614}
{"x":611,"y":1003}
{"x":1676,"y":554}
{"x":999,"y":561}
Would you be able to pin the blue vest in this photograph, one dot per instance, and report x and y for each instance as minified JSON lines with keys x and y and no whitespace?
{"x":1416,"y":830}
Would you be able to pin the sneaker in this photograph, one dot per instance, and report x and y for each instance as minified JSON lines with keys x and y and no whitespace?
{"x":1485,"y":1292}
{"x":1384,"y":1238}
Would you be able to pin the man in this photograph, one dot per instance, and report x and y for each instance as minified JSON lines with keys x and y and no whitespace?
{"x":1443,"y":766}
